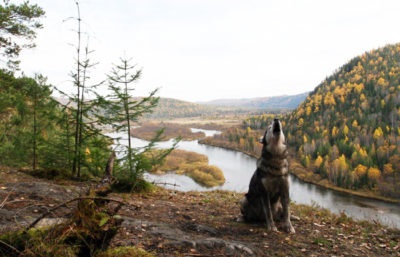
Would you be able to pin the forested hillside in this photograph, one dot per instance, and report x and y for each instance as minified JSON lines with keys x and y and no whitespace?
{"x":271,"y":102}
{"x":347,"y":130}
{"x":172,"y":108}
{"x":36,"y":132}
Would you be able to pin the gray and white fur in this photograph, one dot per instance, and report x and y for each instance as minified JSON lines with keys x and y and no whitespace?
{"x":268,"y":196}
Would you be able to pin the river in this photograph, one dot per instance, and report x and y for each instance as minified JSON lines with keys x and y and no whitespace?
{"x":238,"y":169}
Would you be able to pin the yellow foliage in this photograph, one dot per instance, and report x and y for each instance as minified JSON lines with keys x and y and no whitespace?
{"x":329,"y":99}
{"x":374,"y":174}
{"x":342,"y":163}
{"x":382,"y":82}
{"x":318,"y":161}
{"x":383,"y":103}
{"x":363,"y":152}
{"x":308,"y":110}
{"x":356,"y":77}
{"x":359,"y":87}
{"x":388,"y":169}
{"x":87,"y":153}
{"x":300,"y":112}
{"x":335,"y":131}
{"x":307,"y":161}
{"x":339,"y":91}
{"x":346,"y":130}
{"x":360,"y":170}
{"x":300,"y":122}
{"x":378,"y":133}
{"x":248,"y":130}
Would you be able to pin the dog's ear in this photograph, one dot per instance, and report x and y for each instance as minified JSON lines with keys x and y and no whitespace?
{"x":263,"y":140}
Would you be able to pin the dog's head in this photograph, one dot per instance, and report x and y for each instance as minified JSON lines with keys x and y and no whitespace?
{"x":274,"y":139}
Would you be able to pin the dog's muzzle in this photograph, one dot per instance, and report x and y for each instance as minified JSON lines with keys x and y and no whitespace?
{"x":276,"y":129}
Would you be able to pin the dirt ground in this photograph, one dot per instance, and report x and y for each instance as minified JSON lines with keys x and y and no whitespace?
{"x":172,"y":223}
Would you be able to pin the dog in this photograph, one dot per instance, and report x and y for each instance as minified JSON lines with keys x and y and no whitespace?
{"x":268,"y":196}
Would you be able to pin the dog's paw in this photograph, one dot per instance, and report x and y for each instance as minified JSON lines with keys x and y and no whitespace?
{"x":272,"y":228}
{"x":288,"y":228}
{"x":240,"y":219}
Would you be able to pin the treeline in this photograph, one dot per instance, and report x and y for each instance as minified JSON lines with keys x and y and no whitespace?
{"x":169,"y":108}
{"x":37,"y":131}
{"x":51,"y":139}
{"x":347,"y":130}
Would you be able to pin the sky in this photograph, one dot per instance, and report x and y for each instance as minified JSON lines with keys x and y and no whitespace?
{"x":201,"y":50}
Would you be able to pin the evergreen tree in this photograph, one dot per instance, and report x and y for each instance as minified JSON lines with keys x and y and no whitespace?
{"x":17,"y":29}
{"x":123,"y":110}
{"x":80,"y":117}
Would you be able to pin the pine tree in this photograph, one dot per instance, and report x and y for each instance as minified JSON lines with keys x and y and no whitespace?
{"x":80,"y":112}
{"x":17,"y":29}
{"x":122,"y":111}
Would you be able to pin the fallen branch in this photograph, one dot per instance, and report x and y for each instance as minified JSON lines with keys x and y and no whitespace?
{"x":5,"y":200}
{"x":11,"y":247}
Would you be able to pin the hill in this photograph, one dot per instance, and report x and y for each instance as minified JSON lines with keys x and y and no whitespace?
{"x":173,"y":108}
{"x":273,"y":102}
{"x":347,"y":130}
{"x":170,"y":108}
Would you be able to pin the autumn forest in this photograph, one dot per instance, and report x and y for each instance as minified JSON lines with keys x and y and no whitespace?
{"x":347,"y":130}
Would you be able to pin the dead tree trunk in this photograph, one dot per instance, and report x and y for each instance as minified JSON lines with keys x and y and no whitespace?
{"x":104,"y":187}
{"x":109,"y":167}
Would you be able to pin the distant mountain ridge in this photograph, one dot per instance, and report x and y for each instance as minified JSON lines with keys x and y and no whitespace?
{"x":271,"y":102}
{"x":174,"y":108}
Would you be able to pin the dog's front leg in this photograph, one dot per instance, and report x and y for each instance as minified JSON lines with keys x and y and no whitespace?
{"x":266,"y":205}
{"x":285,"y":200}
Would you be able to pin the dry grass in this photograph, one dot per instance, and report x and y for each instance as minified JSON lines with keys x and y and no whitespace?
{"x":193,"y":165}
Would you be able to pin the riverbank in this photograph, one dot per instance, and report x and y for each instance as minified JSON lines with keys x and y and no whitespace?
{"x":184,"y":130}
{"x":172,"y":223}
{"x":308,"y":176}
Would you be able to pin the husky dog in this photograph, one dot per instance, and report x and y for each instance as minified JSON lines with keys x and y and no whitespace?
{"x":268,"y":195}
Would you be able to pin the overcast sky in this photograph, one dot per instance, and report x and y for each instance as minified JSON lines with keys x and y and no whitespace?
{"x":199,"y":50}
